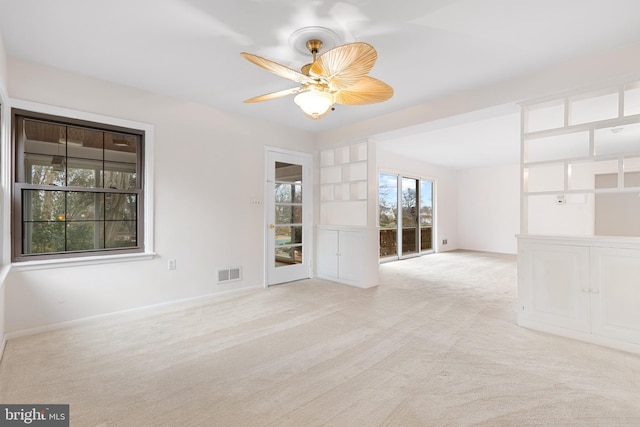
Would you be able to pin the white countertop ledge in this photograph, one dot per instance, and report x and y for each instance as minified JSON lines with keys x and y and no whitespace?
{"x":598,"y":241}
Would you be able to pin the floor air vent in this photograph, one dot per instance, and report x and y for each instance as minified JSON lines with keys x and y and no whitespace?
{"x":229,"y":275}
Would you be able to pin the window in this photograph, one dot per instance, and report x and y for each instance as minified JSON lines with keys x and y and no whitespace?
{"x":78,"y":188}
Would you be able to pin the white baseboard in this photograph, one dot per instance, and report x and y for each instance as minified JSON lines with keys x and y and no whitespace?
{"x":4,"y":271}
{"x":84,"y":320}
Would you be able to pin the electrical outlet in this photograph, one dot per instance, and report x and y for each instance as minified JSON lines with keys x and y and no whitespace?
{"x":444,"y":241}
{"x":172,"y":264}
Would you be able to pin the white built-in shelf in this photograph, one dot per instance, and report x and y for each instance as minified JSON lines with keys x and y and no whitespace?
{"x":343,"y":173}
{"x":579,"y":251}
{"x":580,"y":154}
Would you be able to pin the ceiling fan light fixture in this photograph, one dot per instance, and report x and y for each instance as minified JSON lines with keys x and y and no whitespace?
{"x":337,"y":76}
{"x":314,"y":104}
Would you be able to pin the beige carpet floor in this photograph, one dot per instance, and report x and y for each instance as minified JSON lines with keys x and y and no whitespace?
{"x":436,"y":344}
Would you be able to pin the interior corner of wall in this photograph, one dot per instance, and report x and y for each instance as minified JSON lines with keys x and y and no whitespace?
{"x":3,"y":66}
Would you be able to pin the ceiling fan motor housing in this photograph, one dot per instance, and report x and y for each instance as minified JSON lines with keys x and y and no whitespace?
{"x":314,"y":45}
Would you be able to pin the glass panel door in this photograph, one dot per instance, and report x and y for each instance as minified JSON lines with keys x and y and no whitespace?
{"x":288,"y":206}
{"x":409,"y":216}
{"x":426,"y":216}
{"x":288,"y":214}
{"x":388,"y":215}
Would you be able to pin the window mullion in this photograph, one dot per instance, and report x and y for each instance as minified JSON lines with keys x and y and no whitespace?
{"x":70,"y":181}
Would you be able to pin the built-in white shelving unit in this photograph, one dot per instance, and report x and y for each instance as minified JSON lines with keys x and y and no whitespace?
{"x":347,"y":244}
{"x":580,"y":159}
{"x":579,"y":248}
{"x":343,"y":173}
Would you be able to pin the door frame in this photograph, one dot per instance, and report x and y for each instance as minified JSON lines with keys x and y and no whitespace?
{"x":307,"y":221}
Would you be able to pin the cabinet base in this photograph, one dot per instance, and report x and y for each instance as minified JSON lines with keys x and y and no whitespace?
{"x":580,"y":336}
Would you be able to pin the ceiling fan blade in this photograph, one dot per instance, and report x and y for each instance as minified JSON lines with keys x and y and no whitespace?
{"x":367,"y":91}
{"x":275,"y":95}
{"x":276,"y":68}
{"x":345,"y":65}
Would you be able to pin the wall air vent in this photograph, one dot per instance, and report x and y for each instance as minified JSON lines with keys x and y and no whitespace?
{"x":229,"y":275}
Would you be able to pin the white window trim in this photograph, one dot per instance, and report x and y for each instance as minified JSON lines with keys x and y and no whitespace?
{"x":79,"y":261}
{"x":5,"y":179}
{"x":148,"y":186}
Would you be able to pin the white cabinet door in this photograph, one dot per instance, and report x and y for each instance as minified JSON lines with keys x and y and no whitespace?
{"x":328,"y":254}
{"x":555,"y":285}
{"x":351,"y":255}
{"x":348,"y":255}
{"x":615,"y":293}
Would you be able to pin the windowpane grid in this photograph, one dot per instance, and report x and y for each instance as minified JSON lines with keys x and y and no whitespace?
{"x":93,"y":205}
{"x":288,"y":214}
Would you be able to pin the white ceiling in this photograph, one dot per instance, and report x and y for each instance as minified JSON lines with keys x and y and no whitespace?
{"x":427,"y":49}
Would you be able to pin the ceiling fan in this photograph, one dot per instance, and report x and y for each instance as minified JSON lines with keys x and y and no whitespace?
{"x":338,"y":76}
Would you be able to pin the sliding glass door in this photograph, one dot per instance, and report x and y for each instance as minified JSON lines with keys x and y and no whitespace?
{"x":426,"y":216}
{"x":388,"y":215}
{"x":409,"y":199}
{"x":405,"y":216}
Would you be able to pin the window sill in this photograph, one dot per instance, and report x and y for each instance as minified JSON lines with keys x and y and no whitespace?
{"x":77,"y":262}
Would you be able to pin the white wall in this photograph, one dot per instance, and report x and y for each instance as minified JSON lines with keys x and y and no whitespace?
{"x":446,"y":193}
{"x":3,"y":66}
{"x":489,"y":208}
{"x":208,"y":166}
{"x":3,"y":189}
